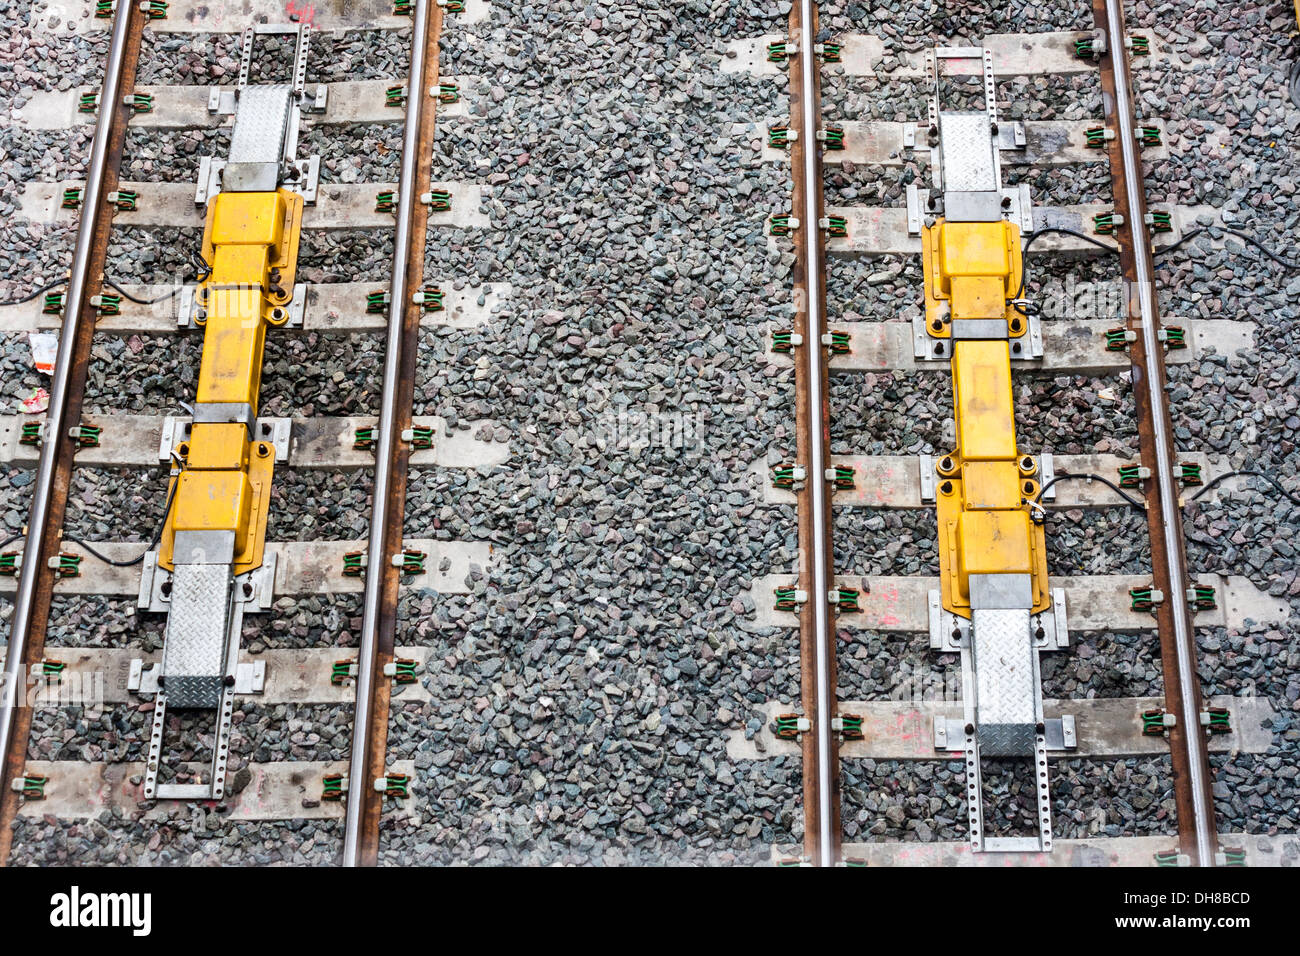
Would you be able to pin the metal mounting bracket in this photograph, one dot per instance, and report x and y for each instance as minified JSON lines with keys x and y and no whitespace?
{"x":1060,"y":732}
{"x":1024,"y":348}
{"x":254,"y":591}
{"x":301,"y":176}
{"x":950,"y":633}
{"x":185,"y":308}
{"x":1010,"y":136}
{"x":277,"y":431}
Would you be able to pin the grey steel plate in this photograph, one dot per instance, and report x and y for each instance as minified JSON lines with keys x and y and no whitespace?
{"x":257,"y":141}
{"x":969,"y":153}
{"x":1004,"y":678}
{"x":194,"y":649}
{"x":261,"y":118}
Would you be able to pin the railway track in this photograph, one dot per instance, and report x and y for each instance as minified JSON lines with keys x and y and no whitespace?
{"x":178,"y":772}
{"x":495,"y":618}
{"x":1008,"y":681}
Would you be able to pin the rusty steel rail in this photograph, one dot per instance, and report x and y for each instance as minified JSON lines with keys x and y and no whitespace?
{"x":67,"y":391}
{"x":379,"y":623}
{"x":1192,"y":774}
{"x":821,"y":778}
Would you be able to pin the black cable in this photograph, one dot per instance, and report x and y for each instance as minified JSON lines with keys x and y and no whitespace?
{"x":43,"y":289}
{"x":11,"y":539}
{"x":1247,"y":473}
{"x":1105,"y":481}
{"x":1293,"y":83}
{"x":171,"y":493}
{"x":201,"y":267}
{"x":162,"y":298}
{"x":1044,"y":230}
{"x":1244,"y":237}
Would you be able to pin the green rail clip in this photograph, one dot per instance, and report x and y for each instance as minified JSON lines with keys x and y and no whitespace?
{"x":430,"y":299}
{"x":354,"y":564}
{"x":386,"y":201}
{"x":124,"y":199}
{"x":1217,"y":720}
{"x":784,"y":340}
{"x":786,"y":476}
{"x":333,"y":787}
{"x":1201,"y":597}
{"x":420,"y":437}
{"x":66,"y":565}
{"x":86,"y":436}
{"x":838,"y":343}
{"x":395,"y":785}
{"x":787,"y":727}
{"x":1160,"y":222}
{"x":31,"y":786}
{"x":845,"y":599}
{"x":107,"y":303}
{"x":1105,"y":223}
{"x":1144,"y":599}
{"x":850,"y":726}
{"x":1153,"y":723}
{"x":377,"y":302}
{"x":832,"y":137}
{"x":411,"y":562}
{"x":403,"y":670}
{"x":1117,"y":340}
{"x":781,"y":225}
{"x":343,"y":671}
{"x":787,"y":599}
{"x":1131,"y":476}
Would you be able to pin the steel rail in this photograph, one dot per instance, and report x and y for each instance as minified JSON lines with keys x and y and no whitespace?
{"x":812,"y":350}
{"x":55,"y":427}
{"x":375,"y":571}
{"x":1171,"y":513}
